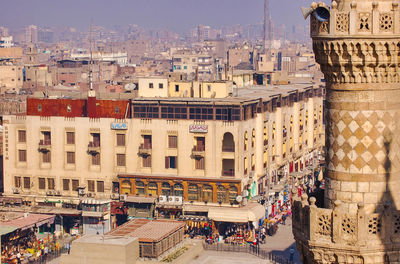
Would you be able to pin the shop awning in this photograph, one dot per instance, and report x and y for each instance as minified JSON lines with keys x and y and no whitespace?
{"x":140,"y":199}
{"x":250,"y":213}
{"x":4,"y":230}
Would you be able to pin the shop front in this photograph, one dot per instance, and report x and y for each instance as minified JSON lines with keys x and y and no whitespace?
{"x":20,"y":234}
{"x":96,"y":216}
{"x":236,"y":224}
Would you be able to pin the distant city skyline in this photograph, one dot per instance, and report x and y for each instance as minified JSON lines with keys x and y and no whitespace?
{"x":175,"y":15}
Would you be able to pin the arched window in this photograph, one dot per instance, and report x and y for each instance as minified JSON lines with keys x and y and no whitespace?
{"x":291,"y":124}
{"x":178,"y":189}
{"x":221,"y":194}
{"x":228,"y":144}
{"x":207,"y":193}
{"x":152,"y":189}
{"x":233,"y":193}
{"x":193,"y":192}
{"x":253,"y":138}
{"x":246,"y":138}
{"x":166,"y":189}
{"x":140,"y":188}
{"x":273,"y":130}
{"x":126,"y":187}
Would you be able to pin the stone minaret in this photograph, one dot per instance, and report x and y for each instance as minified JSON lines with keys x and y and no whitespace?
{"x":358,"y":49}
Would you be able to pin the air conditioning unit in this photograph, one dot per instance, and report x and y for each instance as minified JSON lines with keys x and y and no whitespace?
{"x":162,"y":199}
{"x":58,"y":193}
{"x":122,"y":197}
{"x":179,"y":199}
{"x":16,"y":190}
{"x":49,"y":192}
{"x":171,"y":199}
{"x":91,"y":195}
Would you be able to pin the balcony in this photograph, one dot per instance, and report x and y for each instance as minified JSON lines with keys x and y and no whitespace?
{"x":198,"y":151}
{"x":44,"y":145}
{"x":145,"y":149}
{"x":265,"y":142}
{"x":228,"y":173}
{"x":301,"y":127}
{"x":93,"y":147}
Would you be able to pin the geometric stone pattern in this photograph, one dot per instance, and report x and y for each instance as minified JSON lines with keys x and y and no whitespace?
{"x":356,"y":141}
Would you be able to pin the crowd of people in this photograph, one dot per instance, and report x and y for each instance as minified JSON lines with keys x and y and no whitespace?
{"x":31,"y":248}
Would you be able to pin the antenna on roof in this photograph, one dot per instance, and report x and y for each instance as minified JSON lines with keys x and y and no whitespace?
{"x":91,"y":56}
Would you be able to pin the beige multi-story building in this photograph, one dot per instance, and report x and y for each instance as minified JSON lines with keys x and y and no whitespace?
{"x":11,"y":78}
{"x":206,"y":151}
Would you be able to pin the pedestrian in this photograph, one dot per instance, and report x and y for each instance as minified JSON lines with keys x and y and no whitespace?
{"x":284,"y":219}
{"x":291,"y":258}
{"x":46,"y":252}
{"x":19,"y":258}
{"x":68,"y":247}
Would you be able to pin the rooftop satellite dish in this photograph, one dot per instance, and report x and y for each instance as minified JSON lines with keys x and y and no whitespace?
{"x":239,"y":199}
{"x":130,"y":86}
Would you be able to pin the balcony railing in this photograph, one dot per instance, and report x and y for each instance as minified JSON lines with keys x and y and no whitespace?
{"x":228,"y":148}
{"x":198,"y":151}
{"x":145,"y":149}
{"x":228,"y":172}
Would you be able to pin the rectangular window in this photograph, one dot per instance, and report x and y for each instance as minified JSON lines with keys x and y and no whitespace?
{"x":145,"y":112}
{"x":160,"y":85}
{"x":70,"y":138}
{"x":199,"y":163}
{"x":121,"y":160}
{"x":120,"y":139}
{"x":22,"y":155}
{"x":176,"y":87}
{"x":201,"y":113}
{"x":90,"y":186}
{"x":27,"y":183}
{"x":65,"y":184}
{"x":151,"y":85}
{"x":171,"y":162}
{"x":172,"y":141}
{"x":96,"y":140}
{"x":100,"y":186}
{"x":75,"y":185}
{"x":50,"y":183}
{"x":17,"y":181}
{"x":21,"y":136}
{"x":42,"y":183}
{"x":46,"y":157}
{"x":46,"y":137}
{"x":96,"y":159}
{"x":172,"y":112}
{"x":70,"y":157}
{"x":146,"y":161}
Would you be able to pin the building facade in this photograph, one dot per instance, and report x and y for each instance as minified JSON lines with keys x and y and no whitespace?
{"x":191,"y":150}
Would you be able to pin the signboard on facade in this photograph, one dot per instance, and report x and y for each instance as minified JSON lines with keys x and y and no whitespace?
{"x":119,"y":126}
{"x":198,"y":128}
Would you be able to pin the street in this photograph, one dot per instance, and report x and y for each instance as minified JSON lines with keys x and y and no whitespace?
{"x":278,"y":244}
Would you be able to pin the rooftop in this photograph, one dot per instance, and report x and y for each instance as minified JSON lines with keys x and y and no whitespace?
{"x":147,"y":230}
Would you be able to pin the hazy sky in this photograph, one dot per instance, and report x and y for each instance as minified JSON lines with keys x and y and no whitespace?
{"x":177,"y":15}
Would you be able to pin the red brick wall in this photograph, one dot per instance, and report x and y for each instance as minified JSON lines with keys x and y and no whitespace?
{"x":59,"y":107}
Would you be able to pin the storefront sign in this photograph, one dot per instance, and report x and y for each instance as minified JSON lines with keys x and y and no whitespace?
{"x":119,"y":126}
{"x":198,"y":128}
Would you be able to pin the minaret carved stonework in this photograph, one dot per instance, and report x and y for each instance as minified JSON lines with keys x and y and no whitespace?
{"x":358,"y":49}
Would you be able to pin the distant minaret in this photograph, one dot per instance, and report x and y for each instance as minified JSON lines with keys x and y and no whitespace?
{"x":267,"y":27}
